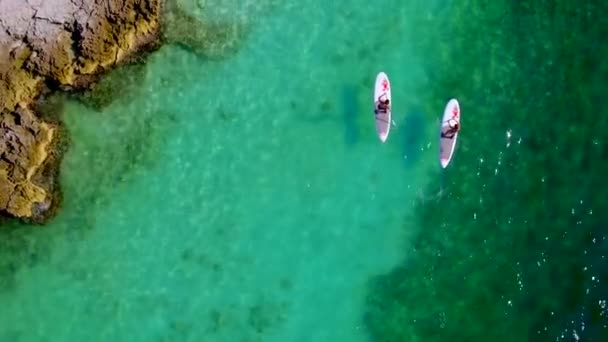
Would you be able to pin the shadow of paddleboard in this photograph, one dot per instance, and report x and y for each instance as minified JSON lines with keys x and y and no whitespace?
{"x":411,"y":134}
{"x":350,"y":112}
{"x":344,"y":114}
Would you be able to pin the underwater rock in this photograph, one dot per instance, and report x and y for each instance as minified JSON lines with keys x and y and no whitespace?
{"x":57,"y":44}
{"x":207,"y":39}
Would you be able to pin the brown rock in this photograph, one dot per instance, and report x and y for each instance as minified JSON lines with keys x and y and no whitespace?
{"x":68,"y":43}
{"x":23,"y":150}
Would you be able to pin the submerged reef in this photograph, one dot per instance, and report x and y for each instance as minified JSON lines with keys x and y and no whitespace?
{"x":51,"y":45}
{"x":208,"y":39}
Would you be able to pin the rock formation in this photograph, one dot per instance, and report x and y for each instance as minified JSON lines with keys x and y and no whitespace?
{"x":56,"y":44}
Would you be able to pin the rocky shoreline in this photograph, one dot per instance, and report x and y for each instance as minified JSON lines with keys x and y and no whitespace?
{"x":56,"y":45}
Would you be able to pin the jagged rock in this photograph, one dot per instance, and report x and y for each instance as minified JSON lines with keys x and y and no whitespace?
{"x":68,"y":44}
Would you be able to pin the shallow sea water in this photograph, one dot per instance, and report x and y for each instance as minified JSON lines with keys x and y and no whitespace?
{"x":238,"y":199}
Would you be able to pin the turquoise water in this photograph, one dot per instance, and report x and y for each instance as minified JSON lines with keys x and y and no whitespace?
{"x":244,"y":198}
{"x":235,"y":189}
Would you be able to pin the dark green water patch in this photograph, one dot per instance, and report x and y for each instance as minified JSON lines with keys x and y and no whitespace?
{"x":121,"y":84}
{"x":515,"y":250}
{"x":207,"y":39}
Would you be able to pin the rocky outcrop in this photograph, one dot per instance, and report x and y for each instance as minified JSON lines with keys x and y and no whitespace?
{"x":56,"y":44}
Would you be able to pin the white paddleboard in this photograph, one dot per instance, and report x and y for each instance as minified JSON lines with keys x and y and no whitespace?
{"x":383,"y":118}
{"x":447,"y":145}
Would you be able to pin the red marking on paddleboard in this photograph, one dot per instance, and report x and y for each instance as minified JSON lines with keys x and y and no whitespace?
{"x":385,"y":84}
{"x":455,"y":112}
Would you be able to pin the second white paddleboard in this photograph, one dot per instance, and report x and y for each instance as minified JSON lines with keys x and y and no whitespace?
{"x":446,"y":144}
{"x":382,"y":89}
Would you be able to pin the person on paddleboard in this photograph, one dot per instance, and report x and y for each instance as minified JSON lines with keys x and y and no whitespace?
{"x":452,"y":129}
{"x":383,"y":104}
